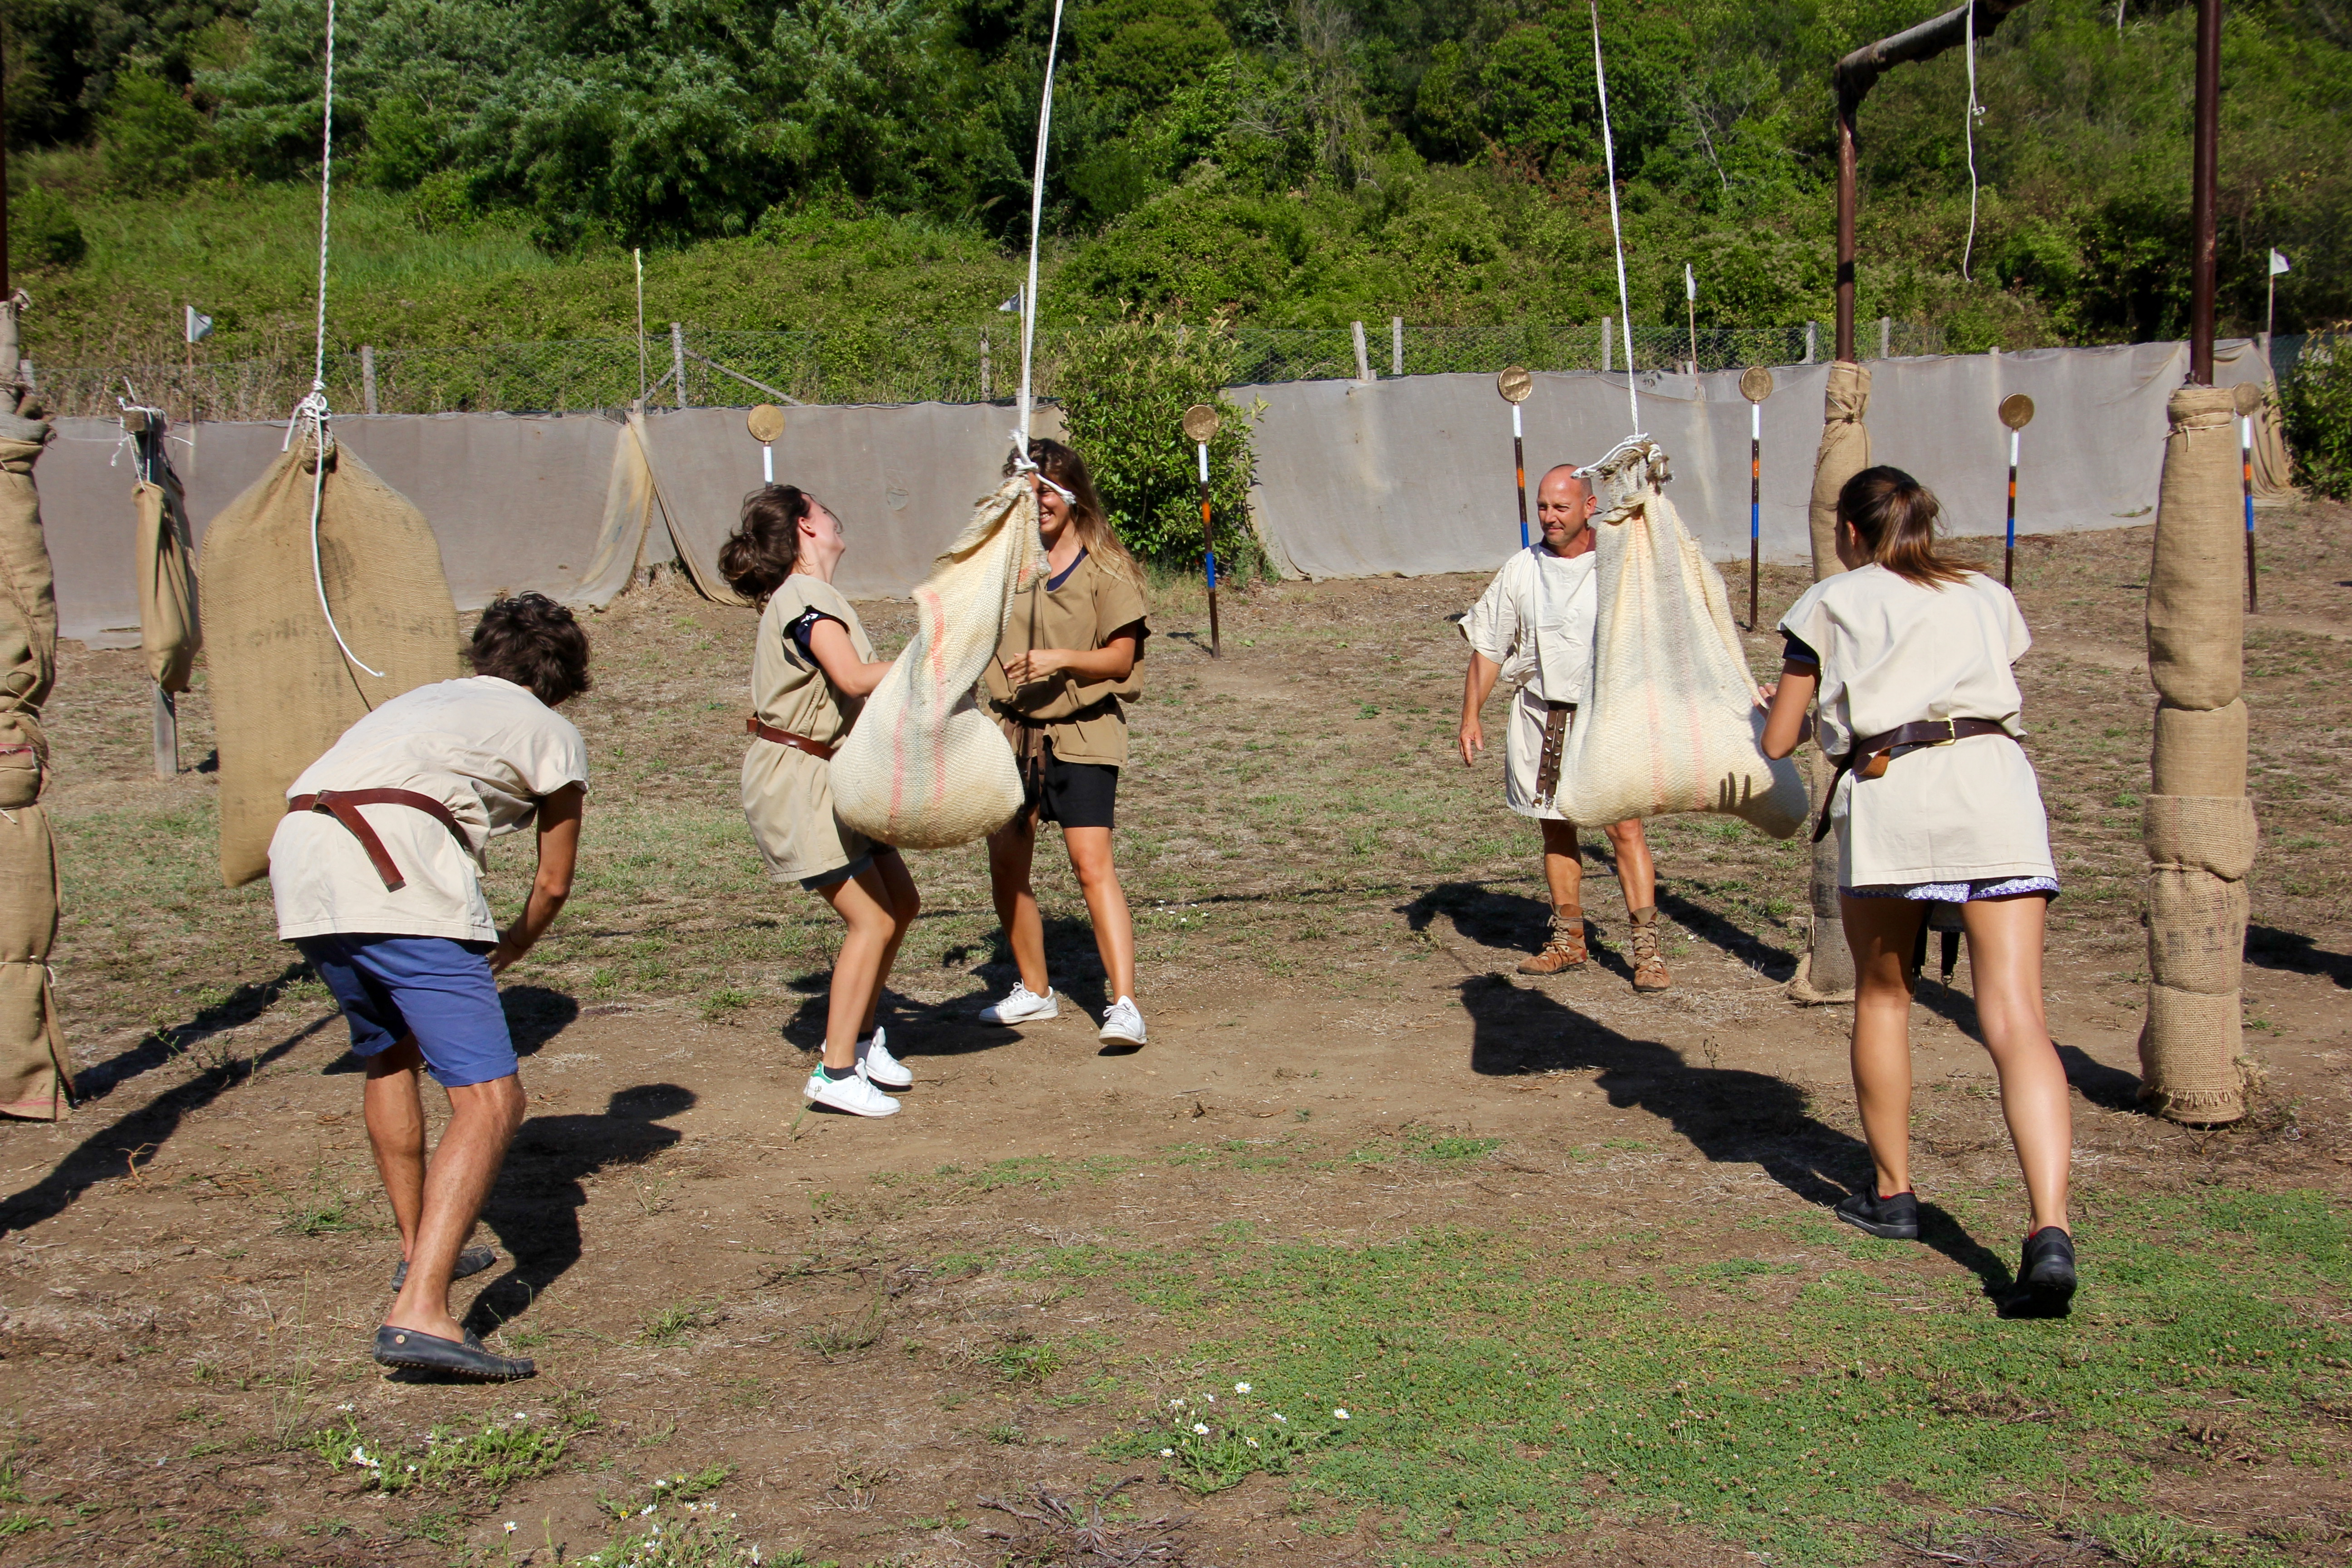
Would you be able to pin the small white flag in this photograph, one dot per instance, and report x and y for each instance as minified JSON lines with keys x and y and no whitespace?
{"x":1011,"y":306}
{"x":2278,"y":263}
{"x":200,"y":326}
{"x":1690,"y":284}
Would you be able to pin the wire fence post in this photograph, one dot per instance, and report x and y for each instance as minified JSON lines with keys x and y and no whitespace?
{"x":1363,"y":358}
{"x":1608,"y":330}
{"x":983,"y":367}
{"x":1396,"y":345}
{"x":1885,"y":337}
{"x":1811,"y":340}
{"x":678,"y":359}
{"x":367,"y":377}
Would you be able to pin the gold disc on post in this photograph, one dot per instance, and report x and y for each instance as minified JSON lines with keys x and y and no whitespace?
{"x":1756,"y":384}
{"x":1202,"y":423}
{"x":1514,"y":384}
{"x":2247,"y":397}
{"x":765,"y":422}
{"x":2017,"y":411}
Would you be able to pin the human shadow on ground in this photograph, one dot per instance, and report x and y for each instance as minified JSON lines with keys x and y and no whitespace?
{"x":953,"y":1028}
{"x":239,"y":1007}
{"x":2267,"y":947}
{"x":1518,"y":923}
{"x":132,"y":1143}
{"x":1730,"y":1115}
{"x":534,"y":1209}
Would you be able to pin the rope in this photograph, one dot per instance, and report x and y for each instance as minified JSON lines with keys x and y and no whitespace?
{"x":1036,"y":219}
{"x":311,"y":414}
{"x":1617,"y":228}
{"x":1968,"y":132}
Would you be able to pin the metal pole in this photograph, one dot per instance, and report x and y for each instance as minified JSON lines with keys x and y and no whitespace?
{"x":1209,"y":551}
{"x":1520,"y":468}
{"x":2009,"y":551}
{"x":1755,"y":502}
{"x":1845,"y":242}
{"x":2246,"y":476}
{"x":2205,"y":177}
{"x":167,"y":733}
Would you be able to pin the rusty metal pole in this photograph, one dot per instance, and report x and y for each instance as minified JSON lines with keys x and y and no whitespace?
{"x":2205,"y":178}
{"x":1847,"y":105}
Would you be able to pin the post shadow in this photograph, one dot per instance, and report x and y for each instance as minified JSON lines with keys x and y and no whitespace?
{"x":534,"y":1209}
{"x":241,"y":1006}
{"x":1730,"y":1115}
{"x":2267,"y":947}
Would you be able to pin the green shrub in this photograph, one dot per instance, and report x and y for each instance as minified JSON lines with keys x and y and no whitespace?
{"x":154,"y":139}
{"x":42,"y":231}
{"x":2317,"y":399}
{"x":1124,"y":391}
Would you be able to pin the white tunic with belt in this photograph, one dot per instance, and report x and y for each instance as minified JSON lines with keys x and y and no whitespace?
{"x":1536,"y":620}
{"x":1893,"y":652}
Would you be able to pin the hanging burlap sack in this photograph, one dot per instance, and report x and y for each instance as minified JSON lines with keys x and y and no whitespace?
{"x":1669,"y":722}
{"x":629,"y":505}
{"x":168,"y":630}
{"x":2199,"y":751}
{"x":924,"y":768}
{"x":282,"y":690}
{"x":35,"y":1075}
{"x":2273,"y":464}
{"x":2196,"y":608}
{"x":1844,"y":452}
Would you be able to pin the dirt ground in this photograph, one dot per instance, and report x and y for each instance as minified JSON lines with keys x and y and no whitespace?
{"x":1361,"y":1165}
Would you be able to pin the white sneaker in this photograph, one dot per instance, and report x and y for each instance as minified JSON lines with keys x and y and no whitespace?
{"x":1123,"y":1024}
{"x":1022,"y":1007}
{"x":852,"y":1094}
{"x":874,"y":1060}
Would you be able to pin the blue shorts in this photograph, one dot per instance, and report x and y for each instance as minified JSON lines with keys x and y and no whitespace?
{"x":434,"y":987}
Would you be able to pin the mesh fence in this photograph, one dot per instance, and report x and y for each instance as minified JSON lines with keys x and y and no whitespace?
{"x":893,"y":362}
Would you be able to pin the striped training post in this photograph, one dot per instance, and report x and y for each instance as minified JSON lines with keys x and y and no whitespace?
{"x":1514,"y":384}
{"x":2249,"y":400}
{"x":2017,"y":413}
{"x":1200,"y":424}
{"x":1756,"y":386}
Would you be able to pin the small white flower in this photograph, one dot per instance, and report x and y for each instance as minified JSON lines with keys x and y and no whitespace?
{"x":1338,"y":1415}
{"x":1241,"y":1388}
{"x":1198,"y":1428}
{"x":645,"y":1511}
{"x":1167,"y":1453}
{"x":1210,"y":1398}
{"x":510,"y":1527}
{"x":1175,"y":1405}
{"x":1278,"y":1415}
{"x":657,"y":1485}
{"x":1250,"y":1441}
{"x":522,"y":1414}
{"x":345,"y":1407}
{"x":412,"y":1469}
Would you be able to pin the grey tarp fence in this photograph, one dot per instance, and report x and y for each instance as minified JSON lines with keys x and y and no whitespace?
{"x":1405,"y":476}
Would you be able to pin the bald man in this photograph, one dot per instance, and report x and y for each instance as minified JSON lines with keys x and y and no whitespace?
{"x":1534,"y":624}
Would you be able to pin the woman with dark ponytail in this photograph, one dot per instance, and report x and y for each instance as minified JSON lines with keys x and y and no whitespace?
{"x":811,"y":668}
{"x":1934,"y":802}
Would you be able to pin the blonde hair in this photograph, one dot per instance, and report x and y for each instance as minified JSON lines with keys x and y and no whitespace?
{"x":1068,"y":470}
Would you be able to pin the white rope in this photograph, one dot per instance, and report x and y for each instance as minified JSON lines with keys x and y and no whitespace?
{"x":1608,"y":152}
{"x":1036,"y":220}
{"x":311,"y":414}
{"x":1968,"y":132}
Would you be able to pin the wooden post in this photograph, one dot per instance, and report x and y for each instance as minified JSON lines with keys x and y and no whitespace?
{"x":167,"y":735}
{"x":1885,"y":337}
{"x":367,"y":377}
{"x":677,"y":359}
{"x":983,"y":368}
{"x":1812,"y":343}
{"x":2205,"y":177}
{"x":1608,"y":329}
{"x":1396,"y":345}
{"x":1200,"y":424}
{"x":1363,"y":358}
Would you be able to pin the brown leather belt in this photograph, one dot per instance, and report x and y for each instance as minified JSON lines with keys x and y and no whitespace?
{"x":343,"y":805}
{"x":1876,"y":749}
{"x":816,"y":749}
{"x":1556,"y":719}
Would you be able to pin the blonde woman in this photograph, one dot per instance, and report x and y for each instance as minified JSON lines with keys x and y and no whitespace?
{"x":812,"y":668}
{"x":1068,"y":661}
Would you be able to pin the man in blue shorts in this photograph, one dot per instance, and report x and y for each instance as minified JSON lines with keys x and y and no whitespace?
{"x":376,"y":870}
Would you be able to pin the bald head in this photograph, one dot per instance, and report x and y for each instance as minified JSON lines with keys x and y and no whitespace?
{"x":1564,"y":505}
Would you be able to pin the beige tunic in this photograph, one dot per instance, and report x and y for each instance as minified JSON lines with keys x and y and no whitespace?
{"x":788,"y":794}
{"x":1893,"y":652}
{"x":1085,"y":722}
{"x":1536,"y":620}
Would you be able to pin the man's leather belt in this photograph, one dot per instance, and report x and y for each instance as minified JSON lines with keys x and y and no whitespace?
{"x":343,"y":805}
{"x":1558,"y":716}
{"x":1873,"y":752}
{"x":816,"y":749}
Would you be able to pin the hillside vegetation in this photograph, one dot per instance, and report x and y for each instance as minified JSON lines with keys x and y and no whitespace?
{"x":849,"y":164}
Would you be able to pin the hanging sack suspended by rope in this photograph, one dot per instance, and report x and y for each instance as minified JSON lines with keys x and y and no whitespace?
{"x":1670,"y":721}
{"x":1844,"y":452}
{"x":282,"y":690}
{"x":168,"y":628}
{"x":2273,"y":465}
{"x":924,"y":768}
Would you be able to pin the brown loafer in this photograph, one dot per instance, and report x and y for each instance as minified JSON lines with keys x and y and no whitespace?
{"x":1649,"y":968}
{"x":1564,"y":948}
{"x":462,"y":1359}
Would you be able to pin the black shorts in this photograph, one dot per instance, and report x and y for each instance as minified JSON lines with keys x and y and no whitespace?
{"x":1076,"y":795}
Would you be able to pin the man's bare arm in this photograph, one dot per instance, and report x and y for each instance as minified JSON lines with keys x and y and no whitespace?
{"x":1476,"y":686}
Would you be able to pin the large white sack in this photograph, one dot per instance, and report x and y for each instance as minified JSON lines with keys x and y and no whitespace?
{"x":1668,"y":722}
{"x":923,"y":768}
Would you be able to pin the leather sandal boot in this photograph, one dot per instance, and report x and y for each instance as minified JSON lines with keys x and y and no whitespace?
{"x":1564,"y":948}
{"x":1649,"y":968}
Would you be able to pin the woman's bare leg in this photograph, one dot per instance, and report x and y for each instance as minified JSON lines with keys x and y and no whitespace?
{"x":903,"y":904}
{"x":1106,"y":905}
{"x":862,"y":902}
{"x":1011,"y":849}
{"x":2005,"y":937}
{"x":1881,"y":932}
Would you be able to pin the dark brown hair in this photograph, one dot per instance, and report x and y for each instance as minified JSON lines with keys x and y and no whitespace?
{"x":534,"y":642}
{"x":1894,"y":516}
{"x":1067,"y":469}
{"x":765,"y":547}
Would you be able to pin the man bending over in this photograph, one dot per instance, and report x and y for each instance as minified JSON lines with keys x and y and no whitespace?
{"x":376,"y":869}
{"x":1535,"y":624}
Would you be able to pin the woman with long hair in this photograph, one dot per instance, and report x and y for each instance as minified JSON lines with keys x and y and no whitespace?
{"x":812,"y":668}
{"x":1068,"y":660}
{"x":1909,"y":654}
